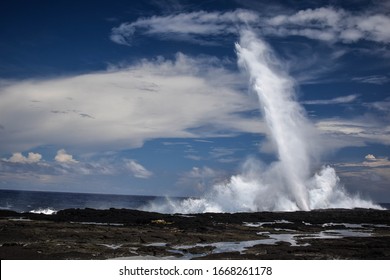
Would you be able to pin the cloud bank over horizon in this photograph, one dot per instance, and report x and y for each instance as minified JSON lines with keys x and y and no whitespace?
{"x":122,"y":108}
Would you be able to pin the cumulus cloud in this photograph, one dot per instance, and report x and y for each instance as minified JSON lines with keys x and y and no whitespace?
{"x":370,"y":157}
{"x":337,"y":100}
{"x":20,"y":158}
{"x":18,"y":169}
{"x":63,"y":157}
{"x":181,"y":98}
{"x":325,"y":24}
{"x":378,"y":165}
{"x":138,"y":170}
{"x":373,"y":161}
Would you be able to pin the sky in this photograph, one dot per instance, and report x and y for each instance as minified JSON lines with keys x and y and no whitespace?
{"x":147,"y":98}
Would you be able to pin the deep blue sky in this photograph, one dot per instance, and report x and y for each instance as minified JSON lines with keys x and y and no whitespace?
{"x":145,"y":97}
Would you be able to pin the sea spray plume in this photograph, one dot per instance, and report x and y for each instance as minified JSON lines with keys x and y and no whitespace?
{"x":283,"y":115}
{"x":287,"y":184}
{"x":292,"y":134}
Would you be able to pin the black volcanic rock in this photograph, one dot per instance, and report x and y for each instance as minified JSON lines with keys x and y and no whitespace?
{"x":102,"y":234}
{"x":111,"y":215}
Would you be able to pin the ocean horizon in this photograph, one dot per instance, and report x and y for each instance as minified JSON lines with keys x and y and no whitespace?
{"x":49,"y":202}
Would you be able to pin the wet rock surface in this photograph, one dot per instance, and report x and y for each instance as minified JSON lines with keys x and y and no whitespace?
{"x":122,"y":233}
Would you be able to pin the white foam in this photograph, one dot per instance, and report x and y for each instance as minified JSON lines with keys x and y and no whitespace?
{"x":45,"y":211}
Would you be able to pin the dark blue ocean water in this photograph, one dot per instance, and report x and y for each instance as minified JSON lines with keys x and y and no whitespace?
{"x":48,"y":202}
{"x":26,"y":201}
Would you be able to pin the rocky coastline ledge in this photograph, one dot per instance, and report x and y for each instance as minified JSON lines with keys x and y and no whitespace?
{"x":132,"y":234}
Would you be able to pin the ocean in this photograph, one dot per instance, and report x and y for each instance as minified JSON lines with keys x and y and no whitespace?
{"x":50,"y":202}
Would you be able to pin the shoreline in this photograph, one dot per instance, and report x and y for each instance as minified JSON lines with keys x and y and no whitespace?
{"x":132,"y":234}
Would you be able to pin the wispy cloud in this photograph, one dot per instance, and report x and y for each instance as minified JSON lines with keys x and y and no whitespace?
{"x":223,"y":155}
{"x":184,"y":26}
{"x":373,"y":79}
{"x":337,"y":100}
{"x":334,"y":29}
{"x":382,"y":106}
{"x":325,"y":24}
{"x":332,"y":25}
{"x":369,"y":161}
{"x":201,"y":178}
{"x":370,"y":175}
{"x":137,"y":169}
{"x":339,"y":132}
{"x":373,"y":161}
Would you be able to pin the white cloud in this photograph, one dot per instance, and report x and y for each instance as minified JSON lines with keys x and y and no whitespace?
{"x":339,"y":133}
{"x":325,"y":24}
{"x":332,"y":25}
{"x":373,"y":161}
{"x":372,"y":175}
{"x":370,"y":157}
{"x":370,"y":161}
{"x":184,"y":26}
{"x":369,"y":176}
{"x":337,"y":100}
{"x":18,"y":169}
{"x":381,"y":106}
{"x":193,"y":157}
{"x":137,"y":169}
{"x":19,"y":158}
{"x":373,"y":79}
{"x":186,"y":97}
{"x":223,"y":155}
{"x":63,"y":157}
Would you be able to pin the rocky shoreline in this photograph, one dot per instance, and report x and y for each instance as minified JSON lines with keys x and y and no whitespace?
{"x":132,"y":234}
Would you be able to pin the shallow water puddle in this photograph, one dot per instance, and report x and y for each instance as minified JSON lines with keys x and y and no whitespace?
{"x":260,"y":224}
{"x":112,"y":246}
{"x":362,"y":226}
